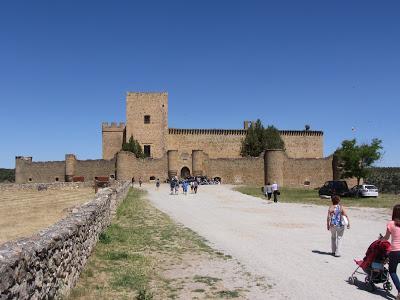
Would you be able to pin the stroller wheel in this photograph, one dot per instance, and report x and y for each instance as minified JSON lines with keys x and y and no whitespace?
{"x":351,"y":280}
{"x":387,"y":286}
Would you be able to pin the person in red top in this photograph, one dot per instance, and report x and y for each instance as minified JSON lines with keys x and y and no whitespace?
{"x":393,"y":229}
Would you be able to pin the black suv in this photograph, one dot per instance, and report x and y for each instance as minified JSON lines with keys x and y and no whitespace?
{"x":334,"y":187}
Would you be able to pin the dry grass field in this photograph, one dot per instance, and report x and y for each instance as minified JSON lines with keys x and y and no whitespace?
{"x":23,"y":213}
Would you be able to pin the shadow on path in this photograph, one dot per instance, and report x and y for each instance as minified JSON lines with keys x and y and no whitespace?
{"x":322,"y":252}
{"x":379,"y":291}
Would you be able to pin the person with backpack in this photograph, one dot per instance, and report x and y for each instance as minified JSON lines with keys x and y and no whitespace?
{"x":335,"y":223}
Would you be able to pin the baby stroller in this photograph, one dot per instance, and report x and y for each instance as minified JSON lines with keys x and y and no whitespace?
{"x":373,"y":266}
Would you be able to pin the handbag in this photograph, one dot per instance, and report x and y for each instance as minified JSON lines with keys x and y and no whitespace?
{"x":345,"y":221}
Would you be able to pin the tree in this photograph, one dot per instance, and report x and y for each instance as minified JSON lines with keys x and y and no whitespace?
{"x":258,"y":139}
{"x":134,"y":147}
{"x":356,"y":159}
{"x":273,"y":138}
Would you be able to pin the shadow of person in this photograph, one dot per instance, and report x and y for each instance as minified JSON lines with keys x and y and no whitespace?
{"x":321,"y":252}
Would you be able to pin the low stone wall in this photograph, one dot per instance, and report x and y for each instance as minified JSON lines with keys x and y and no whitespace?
{"x":47,"y":265}
{"x":50,"y":186}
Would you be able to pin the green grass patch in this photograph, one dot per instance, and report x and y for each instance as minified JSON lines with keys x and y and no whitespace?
{"x":228,"y":294}
{"x":128,"y":259}
{"x":206,"y":279}
{"x":310,"y":196}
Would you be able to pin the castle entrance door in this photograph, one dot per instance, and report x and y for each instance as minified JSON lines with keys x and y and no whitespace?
{"x":185,"y":172}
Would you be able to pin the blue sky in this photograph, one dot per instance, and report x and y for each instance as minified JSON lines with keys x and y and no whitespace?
{"x":65,"y":67}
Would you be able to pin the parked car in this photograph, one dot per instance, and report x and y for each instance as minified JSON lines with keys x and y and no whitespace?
{"x":334,"y":187}
{"x":364,"y":190}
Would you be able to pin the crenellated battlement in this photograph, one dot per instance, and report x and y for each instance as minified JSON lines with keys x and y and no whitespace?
{"x":239,"y":132}
{"x":113,"y":126}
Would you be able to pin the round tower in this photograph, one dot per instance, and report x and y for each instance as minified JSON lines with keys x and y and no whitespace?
{"x":70,"y":161}
{"x":172,"y":163}
{"x":273,"y":166}
{"x":197,"y":162}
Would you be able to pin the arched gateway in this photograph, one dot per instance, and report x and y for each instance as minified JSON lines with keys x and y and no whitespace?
{"x":185,"y":172}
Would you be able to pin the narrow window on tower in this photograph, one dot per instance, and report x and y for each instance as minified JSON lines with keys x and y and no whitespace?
{"x":147,"y":119}
{"x":146,"y":150}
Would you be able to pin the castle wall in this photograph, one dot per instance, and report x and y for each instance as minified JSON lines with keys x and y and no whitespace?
{"x":129,"y":166}
{"x":303,"y":144}
{"x":236,"y":171}
{"x":36,"y":172}
{"x":216,"y":143}
{"x":225,"y":143}
{"x":297,"y":172}
{"x":96,"y":167}
{"x":48,"y":171}
{"x":155,"y":105}
{"x":113,"y":136}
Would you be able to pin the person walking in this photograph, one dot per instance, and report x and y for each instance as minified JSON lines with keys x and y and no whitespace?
{"x":393,"y":231}
{"x":191,"y":186}
{"x":185,"y":187}
{"x":195,"y":186}
{"x":268,"y":190}
{"x":133,"y":181}
{"x":158,"y":183}
{"x":172,"y":185}
{"x":335,"y":223}
{"x":140,"y":181}
{"x":275,"y":191}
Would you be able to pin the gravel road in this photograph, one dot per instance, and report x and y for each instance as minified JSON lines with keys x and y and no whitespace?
{"x":286,"y":243}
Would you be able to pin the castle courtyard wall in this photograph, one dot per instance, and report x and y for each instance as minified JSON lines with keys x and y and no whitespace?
{"x":52,"y":171}
{"x":36,"y":172}
{"x":249,"y":170}
{"x":226,"y":143}
{"x":129,"y":166}
{"x":97,"y":167}
{"x":307,"y":172}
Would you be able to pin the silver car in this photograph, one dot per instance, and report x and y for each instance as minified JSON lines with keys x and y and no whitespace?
{"x":364,"y":190}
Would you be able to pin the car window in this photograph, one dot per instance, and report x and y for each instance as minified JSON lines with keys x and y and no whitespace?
{"x":370,"y":187}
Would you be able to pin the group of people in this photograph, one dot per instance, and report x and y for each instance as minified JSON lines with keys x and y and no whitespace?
{"x":140,"y":181}
{"x":338,"y":219}
{"x":272,"y":189}
{"x":174,"y":186}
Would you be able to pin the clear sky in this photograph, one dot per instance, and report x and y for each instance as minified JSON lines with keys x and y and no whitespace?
{"x":65,"y":67}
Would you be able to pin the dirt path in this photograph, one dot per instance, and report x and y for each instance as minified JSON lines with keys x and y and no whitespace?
{"x":286,"y":243}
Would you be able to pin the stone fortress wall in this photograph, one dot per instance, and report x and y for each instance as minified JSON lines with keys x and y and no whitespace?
{"x":47,"y":265}
{"x":211,"y":152}
{"x":61,"y":171}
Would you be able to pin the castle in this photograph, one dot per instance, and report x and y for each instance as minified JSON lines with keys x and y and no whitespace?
{"x":184,"y":152}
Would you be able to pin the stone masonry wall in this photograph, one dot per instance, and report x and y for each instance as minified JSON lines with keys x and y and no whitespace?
{"x":236,"y":171}
{"x":47,"y":265}
{"x":97,"y":167}
{"x":49,"y":186}
{"x":153,"y":133}
{"x":47,"y":171}
{"x":51,"y":171}
{"x":225,"y":143}
{"x":129,"y":166}
{"x":316,"y":171}
{"x":113,"y":136}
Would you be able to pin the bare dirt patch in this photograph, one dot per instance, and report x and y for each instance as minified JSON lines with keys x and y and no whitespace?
{"x":24,"y":212}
